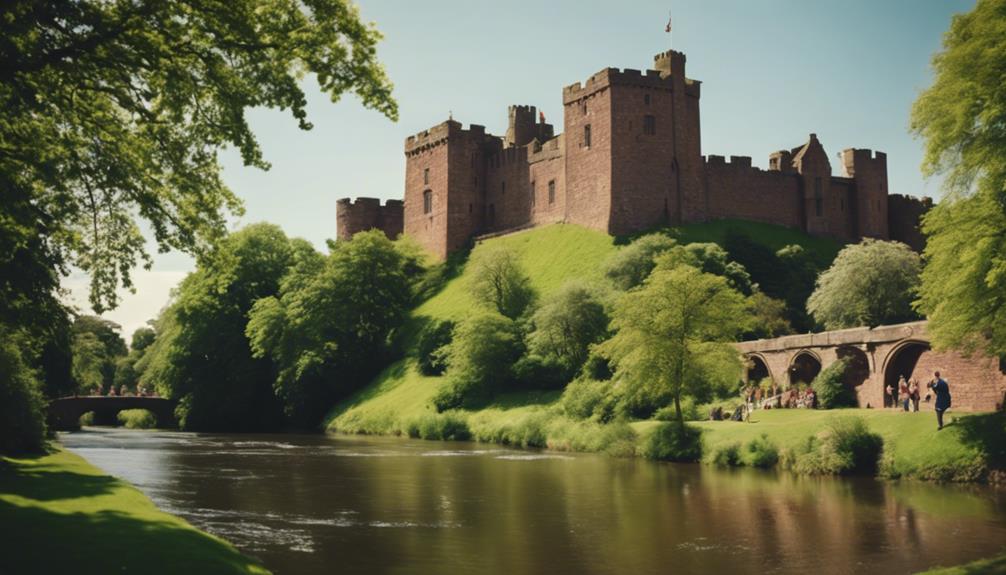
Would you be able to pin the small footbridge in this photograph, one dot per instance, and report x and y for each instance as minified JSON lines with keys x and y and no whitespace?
{"x":65,"y":412}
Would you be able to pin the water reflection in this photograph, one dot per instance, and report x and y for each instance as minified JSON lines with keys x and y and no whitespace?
{"x":313,"y":504}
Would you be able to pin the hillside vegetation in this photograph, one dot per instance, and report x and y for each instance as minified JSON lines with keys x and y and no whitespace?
{"x":400,"y":395}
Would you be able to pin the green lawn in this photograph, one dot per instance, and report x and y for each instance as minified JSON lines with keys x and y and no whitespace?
{"x":62,"y":515}
{"x":992,"y":566}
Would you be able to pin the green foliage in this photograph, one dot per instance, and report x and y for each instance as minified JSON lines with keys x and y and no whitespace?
{"x":126,"y":376}
{"x":441,"y":426}
{"x":870,"y":283}
{"x":566,"y":324}
{"x":499,"y":282}
{"x":830,"y":389}
{"x":329,"y":325}
{"x":113,"y":110}
{"x":769,"y":317}
{"x":846,"y":446}
{"x":761,"y":452}
{"x":728,"y":455}
{"x":963,"y":291}
{"x":87,"y":418}
{"x":431,"y":347}
{"x":674,"y":334}
{"x":690,"y":409}
{"x":142,"y":338}
{"x":22,"y":407}
{"x":589,"y":399}
{"x":201,"y":355}
{"x":711,"y":259}
{"x":137,"y":419}
{"x":630,"y":265}
{"x":97,"y":347}
{"x":673,"y":442}
{"x":536,"y":372}
{"x":480,"y":359}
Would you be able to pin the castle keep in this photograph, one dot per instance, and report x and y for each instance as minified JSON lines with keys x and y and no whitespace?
{"x":630,"y":159}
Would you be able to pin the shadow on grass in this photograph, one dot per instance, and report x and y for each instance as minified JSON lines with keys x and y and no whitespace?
{"x":109,"y":542}
{"x":46,"y":482}
{"x":985,"y":432}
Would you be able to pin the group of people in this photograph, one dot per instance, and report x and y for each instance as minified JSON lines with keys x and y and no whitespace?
{"x":793,"y":398}
{"x":908,"y":394}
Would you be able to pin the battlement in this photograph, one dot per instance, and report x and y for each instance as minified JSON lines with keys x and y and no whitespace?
{"x":364,"y":214}
{"x":656,"y":79}
{"x":851,"y":157}
{"x":548,"y":150}
{"x":442,"y":132}
{"x":735,"y":161}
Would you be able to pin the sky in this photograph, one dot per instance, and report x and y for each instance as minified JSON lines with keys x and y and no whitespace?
{"x":772,"y":72}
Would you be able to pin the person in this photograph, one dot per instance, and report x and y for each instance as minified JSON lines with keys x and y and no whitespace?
{"x":913,"y":393}
{"x":942,"y":391}
{"x":903,"y":392}
{"x":889,"y":395}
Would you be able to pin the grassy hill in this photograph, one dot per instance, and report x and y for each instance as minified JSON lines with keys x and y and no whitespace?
{"x":551,"y":255}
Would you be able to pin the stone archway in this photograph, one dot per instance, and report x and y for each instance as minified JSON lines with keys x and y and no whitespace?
{"x":757,"y":369}
{"x":857,"y":371}
{"x":804,"y":367}
{"x":904,"y":361}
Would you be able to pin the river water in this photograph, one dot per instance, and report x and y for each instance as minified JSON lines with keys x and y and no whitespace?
{"x":324,"y":504}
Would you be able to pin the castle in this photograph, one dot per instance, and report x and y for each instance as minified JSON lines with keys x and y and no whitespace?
{"x":630,"y":160}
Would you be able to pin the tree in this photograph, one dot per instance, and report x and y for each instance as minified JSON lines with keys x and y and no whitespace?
{"x":328,"y":328}
{"x":870,"y":283}
{"x":142,"y":338}
{"x":675,"y":332}
{"x":201,"y":355}
{"x":498,"y":281}
{"x":769,"y":317}
{"x":480,"y":357}
{"x":629,"y":266}
{"x":961,"y":117}
{"x":22,"y":407}
{"x":99,"y":346}
{"x":118,"y":109}
{"x":566,"y":324}
{"x":711,"y":259}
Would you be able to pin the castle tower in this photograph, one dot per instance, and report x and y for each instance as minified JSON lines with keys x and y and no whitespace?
{"x":868,"y":170}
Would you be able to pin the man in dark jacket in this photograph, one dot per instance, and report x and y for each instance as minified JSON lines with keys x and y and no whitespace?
{"x":942,"y":391}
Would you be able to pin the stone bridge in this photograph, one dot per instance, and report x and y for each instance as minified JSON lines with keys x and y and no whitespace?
{"x":878,"y":357}
{"x":65,"y":412}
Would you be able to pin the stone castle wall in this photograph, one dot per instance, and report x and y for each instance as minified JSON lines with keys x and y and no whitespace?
{"x":366,"y":214}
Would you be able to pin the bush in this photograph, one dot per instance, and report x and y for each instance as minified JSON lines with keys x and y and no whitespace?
{"x":596,"y":367}
{"x":567,"y":323}
{"x":431,"y":345}
{"x":674,"y":442}
{"x":137,"y":419}
{"x":847,"y":446}
{"x":690,"y":410}
{"x":761,"y":452}
{"x":480,"y":359}
{"x":726,"y":455}
{"x":830,"y":388}
{"x":22,"y":407}
{"x":537,"y":372}
{"x":629,"y":266}
{"x":439,"y":426}
{"x":589,"y":399}
{"x":87,"y":418}
{"x":526,"y":430}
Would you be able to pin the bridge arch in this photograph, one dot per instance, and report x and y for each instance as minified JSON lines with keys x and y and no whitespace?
{"x":903,"y":360}
{"x":64,"y":413}
{"x":804,"y":367}
{"x":756,"y":368}
{"x":857,"y":371}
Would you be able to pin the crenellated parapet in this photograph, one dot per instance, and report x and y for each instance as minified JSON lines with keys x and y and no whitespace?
{"x":368,"y":214}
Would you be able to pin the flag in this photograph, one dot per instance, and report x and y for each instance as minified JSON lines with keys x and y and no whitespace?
{"x":668,"y":29}
{"x":541,"y":117}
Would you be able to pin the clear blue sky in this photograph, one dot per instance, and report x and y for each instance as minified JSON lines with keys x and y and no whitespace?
{"x":772,"y":72}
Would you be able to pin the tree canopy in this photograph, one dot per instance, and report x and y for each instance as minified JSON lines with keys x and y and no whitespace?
{"x":114,"y":110}
{"x":566,"y":324}
{"x":499,"y":281}
{"x":962,"y":119}
{"x":675,"y":332}
{"x":870,"y":283}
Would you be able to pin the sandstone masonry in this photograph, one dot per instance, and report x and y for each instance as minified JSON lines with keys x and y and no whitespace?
{"x":630,"y":160}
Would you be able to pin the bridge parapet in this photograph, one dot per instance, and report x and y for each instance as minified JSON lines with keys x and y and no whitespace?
{"x":64,"y":413}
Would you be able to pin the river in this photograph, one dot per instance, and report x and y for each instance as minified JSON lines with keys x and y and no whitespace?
{"x":308,"y":504}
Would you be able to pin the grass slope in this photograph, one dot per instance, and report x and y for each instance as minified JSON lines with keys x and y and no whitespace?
{"x":551,"y":255}
{"x":62,"y":515}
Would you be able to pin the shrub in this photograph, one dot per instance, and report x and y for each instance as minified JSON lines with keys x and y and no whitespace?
{"x":438,"y":426}
{"x":629,"y":266}
{"x":689,"y":409}
{"x":847,"y":446}
{"x":480,"y":359}
{"x":761,"y":452}
{"x":726,"y":455}
{"x":137,"y":419}
{"x":589,"y":399}
{"x":87,"y":418}
{"x":596,"y":367}
{"x":537,"y":372}
{"x":22,"y":407}
{"x":498,"y":281}
{"x":431,"y":347}
{"x":526,"y":430}
{"x":616,"y":439}
{"x":566,"y":324}
{"x":830,"y":388}
{"x":674,"y":442}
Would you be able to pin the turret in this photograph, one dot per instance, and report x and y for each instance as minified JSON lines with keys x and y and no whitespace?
{"x":670,"y":63}
{"x":869,"y":171}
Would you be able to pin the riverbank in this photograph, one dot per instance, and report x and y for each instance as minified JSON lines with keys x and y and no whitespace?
{"x":992,"y":566}
{"x":66,"y":516}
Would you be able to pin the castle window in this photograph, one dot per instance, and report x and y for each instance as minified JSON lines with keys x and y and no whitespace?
{"x":583,"y":107}
{"x":818,"y":200}
{"x":426,"y":176}
{"x":492,"y":213}
{"x":649,"y":125}
{"x":469,"y":208}
{"x":841,"y":204}
{"x":551,"y":191}
{"x":427,"y":201}
{"x":586,"y":135}
{"x":502,"y":188}
{"x":532,"y":193}
{"x":646,"y":99}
